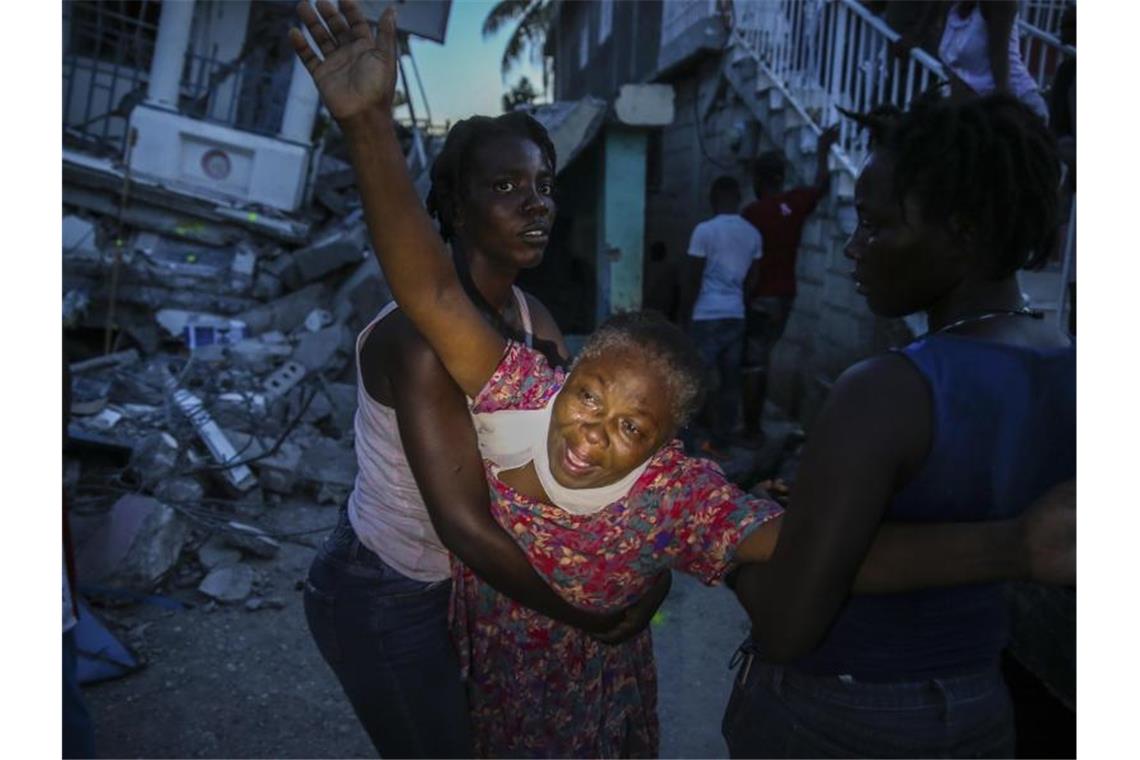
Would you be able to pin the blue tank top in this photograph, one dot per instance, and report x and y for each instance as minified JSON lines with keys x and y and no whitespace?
{"x":1004,"y":432}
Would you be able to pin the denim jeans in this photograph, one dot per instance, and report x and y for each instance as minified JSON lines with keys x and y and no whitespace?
{"x":779,"y":712}
{"x":386,"y":638}
{"x":720,"y":344}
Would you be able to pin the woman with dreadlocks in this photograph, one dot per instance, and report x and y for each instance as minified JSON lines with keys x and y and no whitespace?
{"x":377,"y":595}
{"x":972,"y":421}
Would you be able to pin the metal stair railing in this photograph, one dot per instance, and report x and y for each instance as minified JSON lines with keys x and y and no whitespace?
{"x":827,"y":54}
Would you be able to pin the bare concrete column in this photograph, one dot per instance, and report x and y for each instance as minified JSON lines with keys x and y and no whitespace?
{"x":170,"y":51}
{"x":301,"y":105}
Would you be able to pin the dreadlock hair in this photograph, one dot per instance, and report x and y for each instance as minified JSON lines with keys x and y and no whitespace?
{"x":989,"y":163}
{"x":664,"y":346}
{"x":449,"y":174}
{"x":450,"y":169}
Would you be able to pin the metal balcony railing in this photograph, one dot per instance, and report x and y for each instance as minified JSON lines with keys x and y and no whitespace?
{"x":829,"y":54}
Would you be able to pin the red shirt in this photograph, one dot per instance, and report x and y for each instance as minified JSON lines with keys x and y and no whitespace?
{"x":780,"y":219}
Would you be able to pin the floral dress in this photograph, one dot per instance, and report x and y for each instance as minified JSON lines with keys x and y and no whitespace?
{"x":539,"y":688}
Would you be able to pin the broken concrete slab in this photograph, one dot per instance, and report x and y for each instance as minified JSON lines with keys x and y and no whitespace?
{"x":80,"y":238}
{"x":328,"y":461}
{"x":228,"y":583}
{"x":341,"y":246}
{"x":288,"y":312}
{"x":325,"y":350}
{"x":318,"y":319}
{"x":216,"y":553}
{"x":89,"y":395}
{"x":334,"y":401}
{"x":117,"y":359}
{"x":250,"y":539}
{"x":155,"y":457}
{"x":277,"y":473}
{"x":257,"y":354}
{"x":362,"y":295}
{"x":184,"y":490}
{"x":283,"y":380}
{"x":137,"y":544}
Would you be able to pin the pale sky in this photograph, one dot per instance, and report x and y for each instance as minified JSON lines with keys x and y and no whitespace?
{"x":461,"y":77}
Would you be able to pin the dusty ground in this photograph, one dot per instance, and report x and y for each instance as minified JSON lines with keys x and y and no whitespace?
{"x":222,"y":681}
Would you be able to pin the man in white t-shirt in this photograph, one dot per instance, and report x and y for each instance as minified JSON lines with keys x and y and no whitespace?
{"x":722,"y":256}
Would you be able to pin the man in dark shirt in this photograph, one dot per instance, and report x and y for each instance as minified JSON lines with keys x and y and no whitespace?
{"x":779,"y":215}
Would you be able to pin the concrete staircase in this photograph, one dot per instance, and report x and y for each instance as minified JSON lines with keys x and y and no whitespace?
{"x":830,"y":327}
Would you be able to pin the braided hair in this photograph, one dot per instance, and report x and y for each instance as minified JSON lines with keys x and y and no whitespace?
{"x":449,"y":175}
{"x":990,"y":163}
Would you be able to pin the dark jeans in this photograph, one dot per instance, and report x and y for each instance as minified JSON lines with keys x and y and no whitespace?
{"x":719,"y":343}
{"x":765,"y":320}
{"x":386,"y":638}
{"x":78,"y":733}
{"x":778,"y":712}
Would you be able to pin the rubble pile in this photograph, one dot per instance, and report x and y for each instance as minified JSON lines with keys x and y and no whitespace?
{"x":229,"y":386}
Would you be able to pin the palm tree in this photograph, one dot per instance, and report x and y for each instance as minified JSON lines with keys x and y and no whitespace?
{"x":533,"y":17}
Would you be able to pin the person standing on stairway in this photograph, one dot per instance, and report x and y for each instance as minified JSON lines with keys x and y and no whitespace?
{"x":779,"y":216}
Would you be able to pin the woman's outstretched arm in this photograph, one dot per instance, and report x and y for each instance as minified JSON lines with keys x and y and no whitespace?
{"x":355,"y":73}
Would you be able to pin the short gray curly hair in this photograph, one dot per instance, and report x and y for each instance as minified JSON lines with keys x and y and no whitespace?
{"x":665,"y":346}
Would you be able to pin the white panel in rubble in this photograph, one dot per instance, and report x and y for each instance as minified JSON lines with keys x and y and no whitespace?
{"x":217,"y":162}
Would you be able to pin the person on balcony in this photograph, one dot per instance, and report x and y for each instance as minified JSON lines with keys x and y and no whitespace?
{"x":720,"y":268}
{"x":972,"y":421}
{"x":779,"y":216}
{"x":979,"y":48}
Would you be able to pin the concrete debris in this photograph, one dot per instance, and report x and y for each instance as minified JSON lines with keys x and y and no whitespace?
{"x":185,"y":490}
{"x":224,"y":394}
{"x":251,"y":540}
{"x":258,"y":354}
{"x":136,"y":545}
{"x":324,"y":351}
{"x":228,"y":583}
{"x":217,"y":553}
{"x":105,"y":420}
{"x":197,"y":329}
{"x":239,"y":476}
{"x":89,"y":395}
{"x":318,"y":319}
{"x":79,"y":238}
{"x":329,"y":461}
{"x":284,"y":379}
{"x":334,"y":401}
{"x":362,"y":295}
{"x":342,"y":246}
{"x":75,"y":305}
{"x":117,"y":359}
{"x":277,"y":472}
{"x":155,"y":457}
{"x":288,"y":312}
{"x":259,"y":603}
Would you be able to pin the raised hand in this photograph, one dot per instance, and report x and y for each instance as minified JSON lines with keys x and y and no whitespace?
{"x":355,"y":71}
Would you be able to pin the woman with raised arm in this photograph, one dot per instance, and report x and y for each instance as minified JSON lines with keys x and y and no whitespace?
{"x":377,"y":594}
{"x":584,"y":468}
